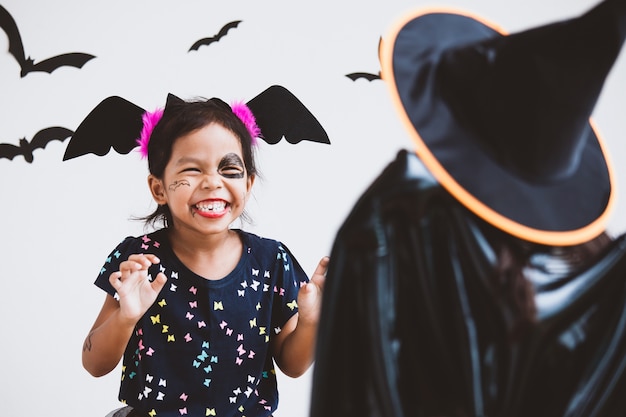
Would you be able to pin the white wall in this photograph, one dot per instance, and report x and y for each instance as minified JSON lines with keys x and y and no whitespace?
{"x":59,"y":219}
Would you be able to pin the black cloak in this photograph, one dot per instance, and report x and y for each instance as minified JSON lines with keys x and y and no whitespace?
{"x":410,"y":326}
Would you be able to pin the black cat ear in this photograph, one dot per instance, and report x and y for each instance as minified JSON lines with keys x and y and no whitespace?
{"x":172,"y":99}
{"x":221,"y":103}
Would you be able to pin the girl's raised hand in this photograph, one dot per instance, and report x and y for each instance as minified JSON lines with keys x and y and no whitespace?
{"x":310,"y":295}
{"x":136,"y":292}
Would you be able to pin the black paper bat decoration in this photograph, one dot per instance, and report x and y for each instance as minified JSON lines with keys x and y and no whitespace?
{"x":16,"y":48}
{"x":207,"y":41}
{"x":368,"y":76}
{"x":40,"y":140}
{"x":116,"y":123}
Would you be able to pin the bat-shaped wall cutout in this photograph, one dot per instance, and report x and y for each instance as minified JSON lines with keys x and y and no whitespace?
{"x":39,"y":141}
{"x":16,"y":48}
{"x":207,"y":41}
{"x":366,"y":75}
{"x":116,"y":123}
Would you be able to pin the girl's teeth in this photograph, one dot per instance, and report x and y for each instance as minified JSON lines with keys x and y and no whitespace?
{"x":212,"y":206}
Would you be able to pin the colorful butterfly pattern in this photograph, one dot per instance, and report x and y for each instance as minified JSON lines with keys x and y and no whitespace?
{"x":202,"y":349}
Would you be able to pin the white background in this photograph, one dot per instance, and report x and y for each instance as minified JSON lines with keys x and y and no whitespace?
{"x":59,"y":219}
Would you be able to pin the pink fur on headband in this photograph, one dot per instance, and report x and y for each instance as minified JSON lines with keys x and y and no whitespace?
{"x":244,"y":113}
{"x":150,"y":120}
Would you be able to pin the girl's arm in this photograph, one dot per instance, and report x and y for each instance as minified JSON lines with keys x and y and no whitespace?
{"x":108,"y":337}
{"x":294,"y":346}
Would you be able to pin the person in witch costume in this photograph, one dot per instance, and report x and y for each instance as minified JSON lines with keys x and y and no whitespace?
{"x":475,"y":276}
{"x":199,"y":310}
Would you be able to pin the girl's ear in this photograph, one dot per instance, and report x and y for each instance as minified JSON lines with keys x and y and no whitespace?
{"x":157,"y":189}
{"x":250,"y":182}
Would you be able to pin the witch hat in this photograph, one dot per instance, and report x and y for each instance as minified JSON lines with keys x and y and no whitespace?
{"x":503,"y":120}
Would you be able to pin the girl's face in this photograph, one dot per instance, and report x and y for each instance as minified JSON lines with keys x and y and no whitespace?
{"x":205,"y":183}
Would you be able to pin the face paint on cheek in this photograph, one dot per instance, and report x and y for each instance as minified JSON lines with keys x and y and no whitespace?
{"x":173,"y":186}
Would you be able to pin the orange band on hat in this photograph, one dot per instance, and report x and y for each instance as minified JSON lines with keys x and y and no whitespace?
{"x":492,"y":217}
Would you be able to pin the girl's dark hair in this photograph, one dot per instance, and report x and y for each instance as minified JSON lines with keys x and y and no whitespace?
{"x":181,"y":118}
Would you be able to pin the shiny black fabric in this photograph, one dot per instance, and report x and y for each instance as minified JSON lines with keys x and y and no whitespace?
{"x":410,"y":326}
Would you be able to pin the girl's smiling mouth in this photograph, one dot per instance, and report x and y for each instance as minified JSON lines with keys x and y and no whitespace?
{"x":211,"y":208}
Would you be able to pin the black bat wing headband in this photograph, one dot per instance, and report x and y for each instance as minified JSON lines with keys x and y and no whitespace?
{"x":117,"y":123}
{"x":114,"y":123}
{"x":280,"y":114}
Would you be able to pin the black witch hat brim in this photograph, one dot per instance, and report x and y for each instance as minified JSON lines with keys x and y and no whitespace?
{"x":562,"y":213}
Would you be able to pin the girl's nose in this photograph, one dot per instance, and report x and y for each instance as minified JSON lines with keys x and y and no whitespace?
{"x":212,"y":181}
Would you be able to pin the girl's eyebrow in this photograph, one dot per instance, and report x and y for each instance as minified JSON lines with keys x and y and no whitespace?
{"x":228,"y":159}
{"x":187,"y":159}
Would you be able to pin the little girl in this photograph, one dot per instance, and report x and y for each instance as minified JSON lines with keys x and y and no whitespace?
{"x":198,"y":310}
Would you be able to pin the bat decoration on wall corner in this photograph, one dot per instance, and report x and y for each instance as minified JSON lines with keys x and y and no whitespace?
{"x":16,"y":48}
{"x":366,"y":75}
{"x":369,"y":77}
{"x":207,"y":41}
{"x":39,"y":141}
{"x":116,"y":123}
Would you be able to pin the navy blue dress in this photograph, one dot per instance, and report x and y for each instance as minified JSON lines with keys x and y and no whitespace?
{"x":203,"y":348}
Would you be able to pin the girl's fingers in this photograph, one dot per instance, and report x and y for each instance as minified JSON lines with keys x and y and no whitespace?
{"x":114,"y":279}
{"x":159,"y":282}
{"x":138,"y":262}
{"x":152,"y":258}
{"x":144,"y":258}
{"x":322,"y":266}
{"x":141,"y":260}
{"x":134,"y":270}
{"x":319,"y":276}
